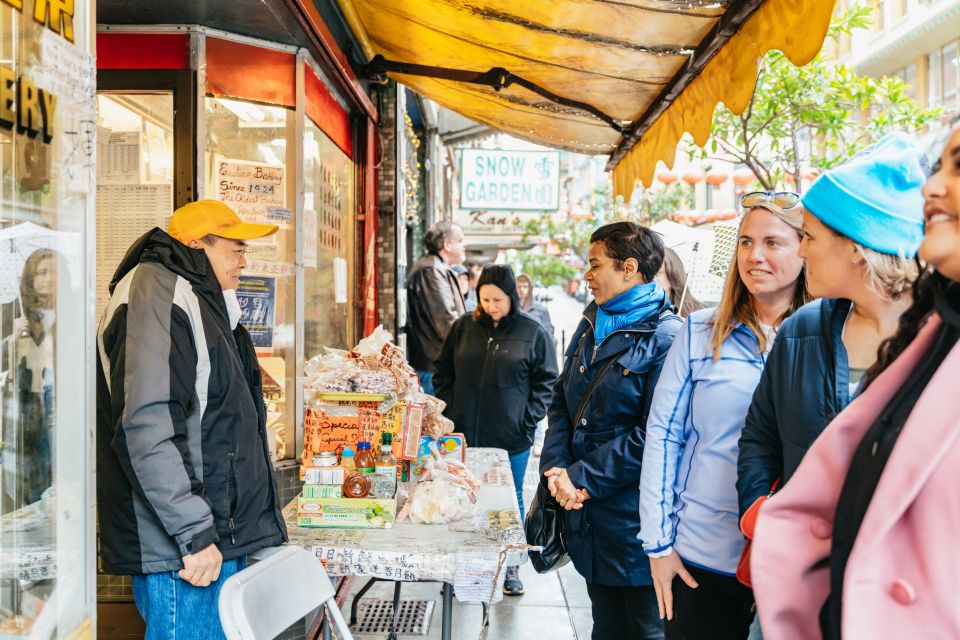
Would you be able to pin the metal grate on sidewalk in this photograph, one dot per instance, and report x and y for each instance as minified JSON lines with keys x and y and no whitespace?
{"x":375,"y":616}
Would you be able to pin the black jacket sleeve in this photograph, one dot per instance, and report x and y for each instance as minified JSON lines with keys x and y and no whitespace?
{"x":444,"y":368}
{"x":556,"y":445}
{"x":760,"y":461}
{"x":543,"y":375}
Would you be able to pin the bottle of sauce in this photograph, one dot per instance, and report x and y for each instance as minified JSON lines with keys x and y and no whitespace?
{"x":364,"y":460}
{"x":386,"y":463}
{"x":347,"y":460}
{"x":356,"y":485}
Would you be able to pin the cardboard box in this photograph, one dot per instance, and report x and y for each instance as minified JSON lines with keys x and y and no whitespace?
{"x":349,"y":513}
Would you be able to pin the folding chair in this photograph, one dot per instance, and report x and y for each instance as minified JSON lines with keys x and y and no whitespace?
{"x":261,"y":601}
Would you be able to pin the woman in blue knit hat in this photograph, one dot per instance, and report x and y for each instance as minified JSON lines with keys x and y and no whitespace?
{"x":861,"y":543}
{"x":863,"y":223}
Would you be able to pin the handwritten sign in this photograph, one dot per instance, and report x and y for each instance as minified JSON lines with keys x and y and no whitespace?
{"x":323,"y":432}
{"x":388,"y":565}
{"x":479,"y":577}
{"x":252,"y":189}
{"x":270,"y":268}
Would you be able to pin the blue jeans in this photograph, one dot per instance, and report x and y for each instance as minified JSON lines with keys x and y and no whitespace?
{"x":518,"y":467}
{"x":755,"y":632}
{"x":174,"y":609}
{"x":426,"y":381}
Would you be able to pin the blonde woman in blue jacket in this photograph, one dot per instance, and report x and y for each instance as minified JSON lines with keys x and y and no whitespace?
{"x":688,"y":495}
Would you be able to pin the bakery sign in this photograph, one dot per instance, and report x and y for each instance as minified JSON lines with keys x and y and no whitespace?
{"x":493,"y":179}
{"x":23,"y":106}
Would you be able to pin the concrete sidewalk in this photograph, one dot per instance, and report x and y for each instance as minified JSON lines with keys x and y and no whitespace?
{"x":553,"y":606}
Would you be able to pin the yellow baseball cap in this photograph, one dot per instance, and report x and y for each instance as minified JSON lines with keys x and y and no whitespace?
{"x":204,"y":217}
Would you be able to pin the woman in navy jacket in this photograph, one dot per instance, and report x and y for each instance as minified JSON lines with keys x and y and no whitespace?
{"x":593,"y":467}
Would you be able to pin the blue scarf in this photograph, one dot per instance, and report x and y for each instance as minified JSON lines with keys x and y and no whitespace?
{"x":628,"y":308}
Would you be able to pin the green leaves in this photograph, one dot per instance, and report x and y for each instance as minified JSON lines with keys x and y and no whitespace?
{"x":815,"y":116}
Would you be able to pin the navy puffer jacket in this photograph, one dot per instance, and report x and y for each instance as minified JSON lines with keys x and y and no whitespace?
{"x":604,"y":453}
{"x":803,"y":387}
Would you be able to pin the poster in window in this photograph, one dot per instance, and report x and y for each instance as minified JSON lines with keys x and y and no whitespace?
{"x":257,"y":297}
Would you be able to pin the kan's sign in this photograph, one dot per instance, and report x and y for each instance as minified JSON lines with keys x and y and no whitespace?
{"x":511,"y":180}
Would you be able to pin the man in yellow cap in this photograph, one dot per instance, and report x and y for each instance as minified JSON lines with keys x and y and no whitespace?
{"x":185,"y":487}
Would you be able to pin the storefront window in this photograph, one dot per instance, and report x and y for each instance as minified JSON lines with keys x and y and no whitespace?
{"x":47,"y":154}
{"x":134,"y":175}
{"x":249,"y":166}
{"x":328,"y":244}
{"x":950,"y":76}
{"x":935,"y":80}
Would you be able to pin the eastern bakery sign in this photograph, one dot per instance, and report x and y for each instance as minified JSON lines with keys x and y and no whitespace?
{"x":23,"y":105}
{"x":492,"y":179}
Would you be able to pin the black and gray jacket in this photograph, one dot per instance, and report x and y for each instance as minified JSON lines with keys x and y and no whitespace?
{"x":182,"y":457}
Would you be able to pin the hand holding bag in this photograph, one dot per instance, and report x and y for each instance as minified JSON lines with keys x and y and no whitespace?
{"x":544,"y":522}
{"x":544,"y":529}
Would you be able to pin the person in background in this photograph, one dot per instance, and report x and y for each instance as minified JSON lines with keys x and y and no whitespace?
{"x":530,"y":306}
{"x":861,"y":542}
{"x":28,"y":454}
{"x":673,"y":278}
{"x":862,"y":226}
{"x":185,"y":486}
{"x":473,"y":268}
{"x":495,"y":372}
{"x":593,"y":449}
{"x":434,"y":301}
{"x":688,"y":496}
{"x":541,"y":314}
{"x":463,"y":279}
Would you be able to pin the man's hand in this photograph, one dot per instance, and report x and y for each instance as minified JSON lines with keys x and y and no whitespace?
{"x":664,"y":569}
{"x":561,"y":488}
{"x":203,"y":567}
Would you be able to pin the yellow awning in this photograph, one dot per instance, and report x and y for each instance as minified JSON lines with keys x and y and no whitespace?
{"x":589,"y":75}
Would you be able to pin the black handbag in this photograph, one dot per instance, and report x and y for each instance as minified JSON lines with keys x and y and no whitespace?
{"x":544,"y":529}
{"x":544,"y":522}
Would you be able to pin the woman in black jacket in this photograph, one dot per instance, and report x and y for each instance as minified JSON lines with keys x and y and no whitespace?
{"x":530,"y":306}
{"x":496,"y":372}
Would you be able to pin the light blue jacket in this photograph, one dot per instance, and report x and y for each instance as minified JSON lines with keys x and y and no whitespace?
{"x":688,"y":482}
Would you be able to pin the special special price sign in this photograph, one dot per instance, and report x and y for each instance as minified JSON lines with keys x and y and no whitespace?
{"x":513,"y":180}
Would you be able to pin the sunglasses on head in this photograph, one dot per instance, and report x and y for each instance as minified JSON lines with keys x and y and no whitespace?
{"x":780,"y":199}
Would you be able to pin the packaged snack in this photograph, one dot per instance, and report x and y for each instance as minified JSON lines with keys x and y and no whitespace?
{"x":322,"y":475}
{"x":437,"y":502}
{"x":322,"y":491}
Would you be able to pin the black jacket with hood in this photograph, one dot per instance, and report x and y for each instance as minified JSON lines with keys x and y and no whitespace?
{"x":182,"y":457}
{"x":497,"y":381}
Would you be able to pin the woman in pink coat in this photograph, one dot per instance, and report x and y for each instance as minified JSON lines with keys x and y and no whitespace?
{"x":862,"y":543}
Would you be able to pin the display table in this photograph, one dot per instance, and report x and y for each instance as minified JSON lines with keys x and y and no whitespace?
{"x":468,"y":555}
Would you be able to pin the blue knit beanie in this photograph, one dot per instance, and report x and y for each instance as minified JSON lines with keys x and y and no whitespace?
{"x":874,"y":198}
